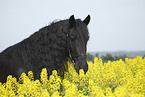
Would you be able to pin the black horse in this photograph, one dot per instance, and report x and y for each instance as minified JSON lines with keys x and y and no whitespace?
{"x":48,"y":48}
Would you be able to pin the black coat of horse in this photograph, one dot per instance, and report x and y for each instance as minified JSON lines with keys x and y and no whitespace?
{"x":48,"y":48}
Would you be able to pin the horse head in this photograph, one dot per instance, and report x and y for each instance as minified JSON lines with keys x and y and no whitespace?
{"x":78,"y":36}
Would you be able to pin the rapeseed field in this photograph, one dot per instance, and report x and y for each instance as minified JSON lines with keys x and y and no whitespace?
{"x":112,"y":79}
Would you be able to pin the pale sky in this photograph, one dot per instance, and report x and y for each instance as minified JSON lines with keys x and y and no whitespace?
{"x":116,"y":25}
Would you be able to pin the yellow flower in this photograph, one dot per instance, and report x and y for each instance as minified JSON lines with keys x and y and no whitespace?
{"x":112,"y":79}
{"x":44,"y":76}
{"x":30,"y":75}
{"x":44,"y":93}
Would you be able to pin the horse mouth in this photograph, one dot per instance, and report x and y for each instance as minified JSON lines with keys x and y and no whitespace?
{"x":81,"y":65}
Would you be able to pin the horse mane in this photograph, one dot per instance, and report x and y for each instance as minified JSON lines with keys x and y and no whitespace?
{"x":42,"y":33}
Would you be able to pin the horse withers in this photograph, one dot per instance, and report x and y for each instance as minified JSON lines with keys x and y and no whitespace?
{"x":48,"y":48}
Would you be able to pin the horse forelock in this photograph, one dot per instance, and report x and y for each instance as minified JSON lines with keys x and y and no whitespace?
{"x":82,"y":31}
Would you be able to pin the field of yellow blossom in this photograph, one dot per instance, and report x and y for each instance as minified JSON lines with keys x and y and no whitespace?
{"x":111,"y":79}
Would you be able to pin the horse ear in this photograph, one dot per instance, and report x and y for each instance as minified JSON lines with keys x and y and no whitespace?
{"x":71,"y":21}
{"x":87,"y":20}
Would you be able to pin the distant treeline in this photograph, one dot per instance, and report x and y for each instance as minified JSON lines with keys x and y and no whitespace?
{"x":107,"y":57}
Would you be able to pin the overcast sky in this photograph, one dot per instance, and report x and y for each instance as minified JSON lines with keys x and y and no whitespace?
{"x":115,"y":25}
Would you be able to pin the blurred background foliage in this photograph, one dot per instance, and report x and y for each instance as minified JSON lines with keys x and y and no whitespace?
{"x":107,"y":57}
